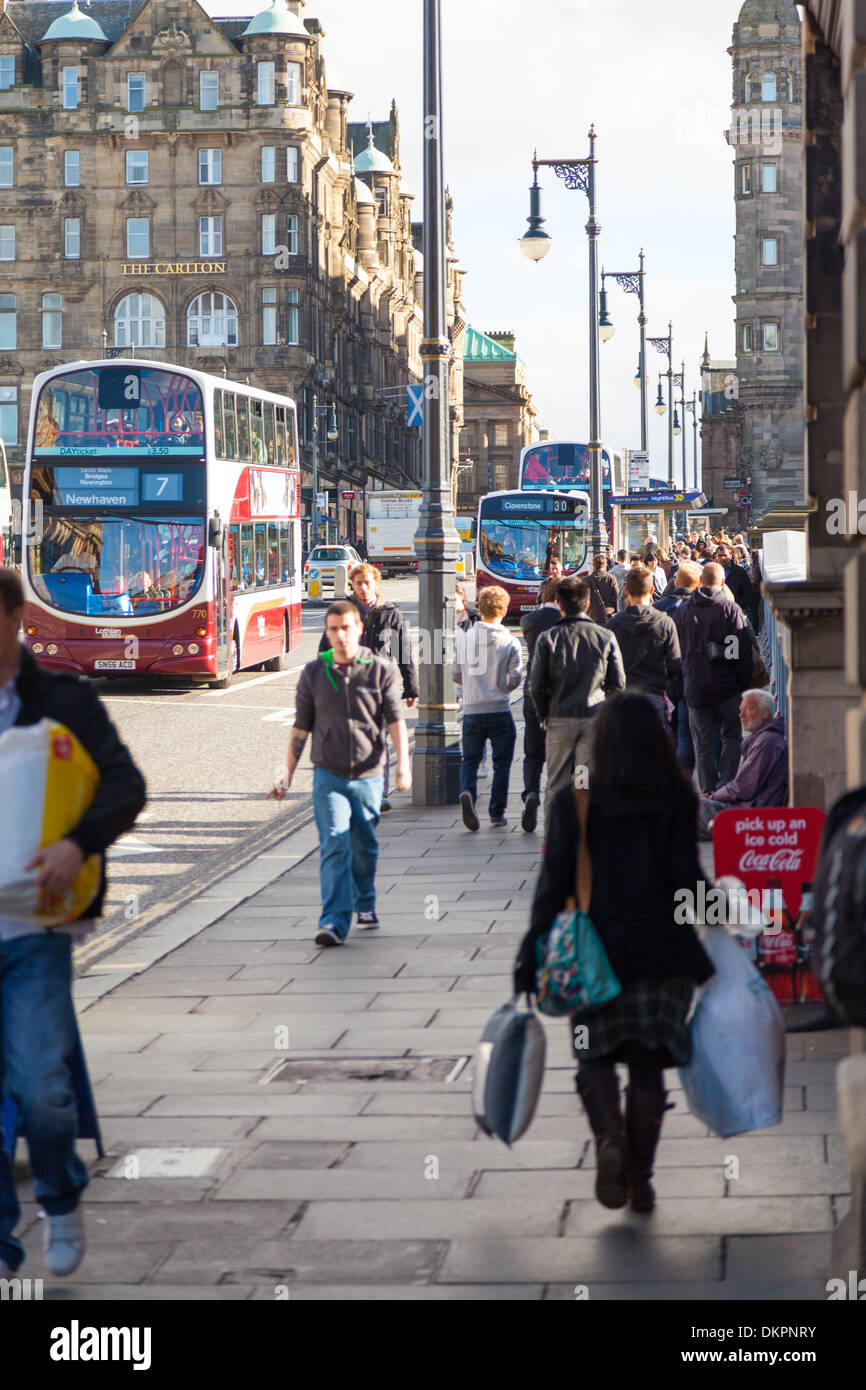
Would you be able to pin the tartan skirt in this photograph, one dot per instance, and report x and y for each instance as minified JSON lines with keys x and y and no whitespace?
{"x":651,"y":1012}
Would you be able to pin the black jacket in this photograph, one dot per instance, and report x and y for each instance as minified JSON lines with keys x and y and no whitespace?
{"x":386,"y":634}
{"x":71,"y":701}
{"x":575,"y":665}
{"x":532,"y":625}
{"x":650,"y":648}
{"x":740,"y":585}
{"x":348,"y":710}
{"x":640,"y":858}
{"x":710,"y":617}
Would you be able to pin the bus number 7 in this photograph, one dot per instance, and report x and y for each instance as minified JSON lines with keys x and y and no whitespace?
{"x":163,"y":484}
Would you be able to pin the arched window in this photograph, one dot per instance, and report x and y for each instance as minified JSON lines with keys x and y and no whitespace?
{"x":212,"y":321}
{"x":747,"y":87}
{"x":768,"y":87}
{"x":139,"y":320}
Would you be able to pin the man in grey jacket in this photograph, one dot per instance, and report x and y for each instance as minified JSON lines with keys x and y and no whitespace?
{"x":575,"y":665}
{"x":346,"y":698}
{"x":488,"y":663}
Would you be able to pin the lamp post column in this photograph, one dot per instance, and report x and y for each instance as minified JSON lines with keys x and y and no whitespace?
{"x":644,"y":403}
{"x":683,"y":422}
{"x":437,"y":751}
{"x":596,"y":493}
{"x":314,"y":513}
{"x":670,"y":404}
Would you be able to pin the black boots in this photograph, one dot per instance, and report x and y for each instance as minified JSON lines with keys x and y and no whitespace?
{"x":643,"y":1122}
{"x":599,"y":1092}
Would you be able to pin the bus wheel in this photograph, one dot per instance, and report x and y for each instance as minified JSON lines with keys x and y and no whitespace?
{"x":281,"y":662}
{"x":234,"y":666}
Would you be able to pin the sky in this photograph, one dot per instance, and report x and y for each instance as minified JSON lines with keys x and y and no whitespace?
{"x":656,"y":82}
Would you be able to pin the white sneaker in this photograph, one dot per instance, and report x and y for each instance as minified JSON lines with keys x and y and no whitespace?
{"x":63,"y":1241}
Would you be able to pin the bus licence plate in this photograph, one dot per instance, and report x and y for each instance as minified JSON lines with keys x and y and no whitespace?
{"x":114,"y":665}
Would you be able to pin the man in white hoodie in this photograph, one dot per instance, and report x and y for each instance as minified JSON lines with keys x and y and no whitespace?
{"x":488,"y":664}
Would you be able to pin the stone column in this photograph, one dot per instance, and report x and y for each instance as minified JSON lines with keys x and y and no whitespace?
{"x":819,"y":697}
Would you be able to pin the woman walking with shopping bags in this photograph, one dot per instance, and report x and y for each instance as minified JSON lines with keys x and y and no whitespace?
{"x":641,"y":838}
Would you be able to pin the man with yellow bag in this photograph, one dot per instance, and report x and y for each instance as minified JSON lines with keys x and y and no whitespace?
{"x":68,"y":789}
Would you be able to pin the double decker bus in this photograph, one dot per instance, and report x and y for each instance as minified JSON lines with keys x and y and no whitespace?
{"x":169,"y":543}
{"x":517,"y":534}
{"x":6,"y":531}
{"x":564,"y":467}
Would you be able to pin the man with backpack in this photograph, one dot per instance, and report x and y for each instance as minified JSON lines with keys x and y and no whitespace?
{"x":648,"y":641}
{"x":532,"y":624}
{"x":717,"y":667}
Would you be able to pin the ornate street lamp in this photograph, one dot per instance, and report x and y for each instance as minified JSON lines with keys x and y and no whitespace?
{"x":578,"y":174}
{"x":632,"y":281}
{"x":666,"y":347}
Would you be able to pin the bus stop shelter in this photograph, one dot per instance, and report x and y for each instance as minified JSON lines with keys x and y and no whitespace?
{"x":651,"y":515}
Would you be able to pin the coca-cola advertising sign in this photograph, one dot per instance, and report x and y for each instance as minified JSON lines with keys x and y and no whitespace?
{"x":762,"y":843}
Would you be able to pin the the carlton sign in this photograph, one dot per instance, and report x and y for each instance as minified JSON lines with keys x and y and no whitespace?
{"x":173,"y":268}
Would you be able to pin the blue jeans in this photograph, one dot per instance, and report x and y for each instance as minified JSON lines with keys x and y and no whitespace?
{"x":501,"y":730}
{"x":347,"y":813}
{"x":685,"y":746}
{"x":37,"y":1038}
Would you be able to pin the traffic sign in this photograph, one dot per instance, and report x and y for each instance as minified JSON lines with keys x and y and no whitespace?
{"x":743,"y":499}
{"x":415,"y":404}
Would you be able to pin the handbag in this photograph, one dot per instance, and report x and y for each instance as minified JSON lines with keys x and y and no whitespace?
{"x":509,"y":1070}
{"x":573,"y":972}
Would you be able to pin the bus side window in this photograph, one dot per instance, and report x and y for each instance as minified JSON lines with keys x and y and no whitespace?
{"x":287,"y":559}
{"x":257,"y":456}
{"x":261,"y":560}
{"x":230,"y":428}
{"x":270,"y":456}
{"x":234,"y":556}
{"x":243,"y":429}
{"x":281,"y":436}
{"x":248,"y":571}
{"x":219,"y":435}
{"x":292,"y":435}
{"x":273,"y":553}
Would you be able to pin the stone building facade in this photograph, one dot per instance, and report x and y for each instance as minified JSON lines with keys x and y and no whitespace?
{"x":185,"y":185}
{"x":767,"y":140}
{"x":499,"y":417}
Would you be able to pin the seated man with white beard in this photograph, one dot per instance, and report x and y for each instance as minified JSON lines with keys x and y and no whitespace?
{"x":762,"y":776}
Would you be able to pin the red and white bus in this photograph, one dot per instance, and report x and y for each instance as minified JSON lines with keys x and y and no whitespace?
{"x":517,"y":534}
{"x":169,"y":541}
{"x":6,"y":531}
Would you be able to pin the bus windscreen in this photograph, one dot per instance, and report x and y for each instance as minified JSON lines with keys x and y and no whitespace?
{"x":518,"y":542}
{"x":103,"y":409}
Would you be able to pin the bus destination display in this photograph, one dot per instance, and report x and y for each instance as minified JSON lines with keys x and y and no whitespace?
{"x":96,"y":486}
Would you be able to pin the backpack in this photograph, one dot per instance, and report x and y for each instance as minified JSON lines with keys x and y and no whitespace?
{"x":839,"y":915}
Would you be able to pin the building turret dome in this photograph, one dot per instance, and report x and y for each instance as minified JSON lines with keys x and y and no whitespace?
{"x":362,"y":193}
{"x":74,"y":24}
{"x":372,"y":160}
{"x":276,"y":18}
{"x":768,"y":12}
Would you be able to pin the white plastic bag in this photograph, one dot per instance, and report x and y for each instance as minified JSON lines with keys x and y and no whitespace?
{"x":735,"y":1082}
{"x":47,"y":782}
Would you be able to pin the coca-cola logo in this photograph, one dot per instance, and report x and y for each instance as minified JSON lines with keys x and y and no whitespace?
{"x":780,"y":861}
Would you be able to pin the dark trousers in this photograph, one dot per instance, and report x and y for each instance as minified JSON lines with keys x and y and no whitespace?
{"x":708,"y":722}
{"x":533,"y":751}
{"x":501,"y":730}
{"x":645,"y":1067}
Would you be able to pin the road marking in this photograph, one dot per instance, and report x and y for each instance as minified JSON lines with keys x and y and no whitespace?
{"x":279,"y":716}
{"x":259,"y":680}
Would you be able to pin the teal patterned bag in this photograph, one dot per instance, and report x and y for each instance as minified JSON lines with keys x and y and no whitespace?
{"x":573,"y":972}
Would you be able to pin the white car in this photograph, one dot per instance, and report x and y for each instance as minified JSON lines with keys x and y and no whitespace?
{"x":323,"y":560}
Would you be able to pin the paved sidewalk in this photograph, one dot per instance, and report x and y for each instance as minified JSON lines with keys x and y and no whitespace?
{"x":359,"y":1185}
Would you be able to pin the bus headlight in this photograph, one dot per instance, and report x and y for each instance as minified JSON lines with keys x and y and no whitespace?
{"x":37,"y":648}
{"x":51,"y":649}
{"x":201,"y":632}
{"x":192,"y":648}
{"x":31,"y":631}
{"x":177,"y":649}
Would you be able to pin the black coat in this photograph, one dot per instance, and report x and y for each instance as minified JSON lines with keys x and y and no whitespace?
{"x":650,"y":648}
{"x":740,"y":585}
{"x":603,"y":595}
{"x":386,"y":634}
{"x":640,"y":858}
{"x":70,"y":700}
{"x":532,"y":624}
{"x":710,"y":617}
